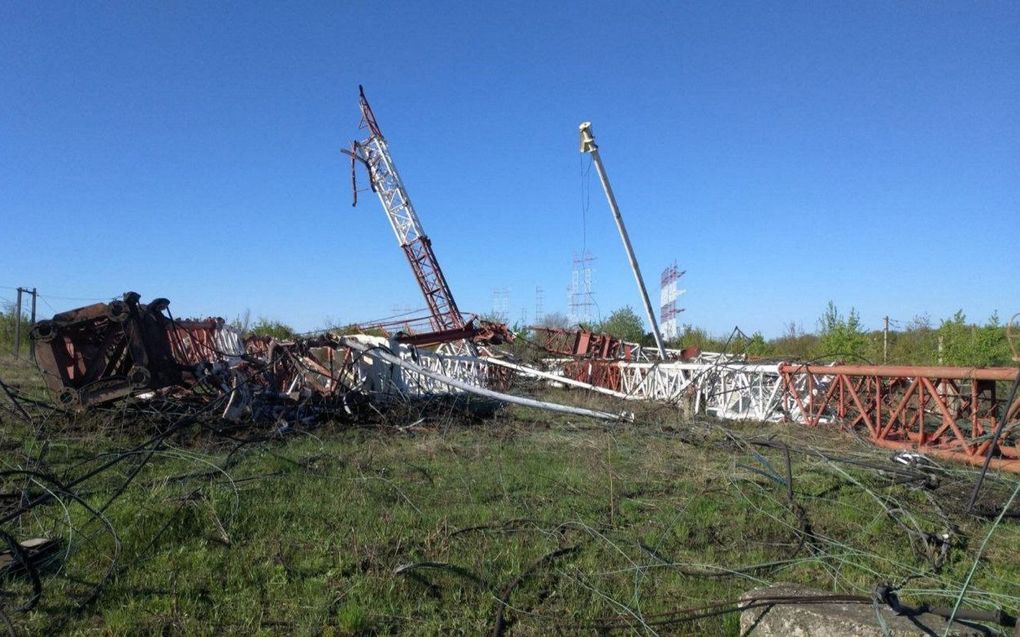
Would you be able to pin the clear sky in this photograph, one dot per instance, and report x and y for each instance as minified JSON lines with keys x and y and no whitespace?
{"x":784,"y":154}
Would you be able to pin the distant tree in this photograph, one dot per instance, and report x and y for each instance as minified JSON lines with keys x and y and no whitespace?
{"x":955,"y":340}
{"x":915,"y":344}
{"x":992,"y":343}
{"x":699,"y":337}
{"x":8,"y":324}
{"x":624,"y":324}
{"x":242,"y":322}
{"x":964,"y":344}
{"x":275,"y":329}
{"x":694,"y":337}
{"x":839,"y":336}
{"x":758,"y":347}
{"x":354,"y":328}
{"x":554,"y":320}
{"x":794,"y":344}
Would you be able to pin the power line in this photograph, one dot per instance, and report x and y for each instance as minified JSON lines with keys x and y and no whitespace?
{"x":56,"y":297}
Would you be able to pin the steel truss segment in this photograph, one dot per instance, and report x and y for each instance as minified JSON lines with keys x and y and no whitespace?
{"x":720,"y":388}
{"x":945,"y":411}
{"x":435,"y":289}
{"x":391,"y":192}
{"x":407,"y":228}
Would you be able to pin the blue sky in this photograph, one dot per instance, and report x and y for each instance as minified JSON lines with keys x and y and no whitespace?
{"x":783,"y":154}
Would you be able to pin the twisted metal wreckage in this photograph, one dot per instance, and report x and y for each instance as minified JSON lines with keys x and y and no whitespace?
{"x":104,"y":352}
{"x":108,"y":351}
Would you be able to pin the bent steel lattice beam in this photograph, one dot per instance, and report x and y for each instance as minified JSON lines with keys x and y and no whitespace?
{"x":374,"y":153}
{"x":950,"y":412}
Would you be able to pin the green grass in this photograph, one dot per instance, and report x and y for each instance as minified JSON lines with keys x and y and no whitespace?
{"x":349,"y":531}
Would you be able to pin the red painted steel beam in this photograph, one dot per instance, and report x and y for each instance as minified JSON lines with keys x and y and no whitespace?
{"x":435,"y":338}
{"x":904,"y":371}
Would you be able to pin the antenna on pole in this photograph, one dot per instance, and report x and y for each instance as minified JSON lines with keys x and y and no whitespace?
{"x":588,"y":146}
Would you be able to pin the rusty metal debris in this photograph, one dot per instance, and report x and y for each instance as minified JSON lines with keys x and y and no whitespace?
{"x":583,"y":343}
{"x":102,"y":352}
{"x":107,"y":352}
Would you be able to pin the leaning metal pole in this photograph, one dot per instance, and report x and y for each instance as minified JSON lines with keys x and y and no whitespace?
{"x":588,"y":146}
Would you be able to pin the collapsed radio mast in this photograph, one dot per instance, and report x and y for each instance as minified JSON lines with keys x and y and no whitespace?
{"x":374,"y":153}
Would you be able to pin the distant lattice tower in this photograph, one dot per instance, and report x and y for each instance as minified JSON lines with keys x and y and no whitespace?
{"x":669,"y":292}
{"x":501,"y":303}
{"x":580,"y":297}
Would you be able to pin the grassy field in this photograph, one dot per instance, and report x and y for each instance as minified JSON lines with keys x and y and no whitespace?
{"x":523,"y":524}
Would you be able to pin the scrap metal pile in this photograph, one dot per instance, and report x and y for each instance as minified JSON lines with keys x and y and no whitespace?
{"x":107,"y":352}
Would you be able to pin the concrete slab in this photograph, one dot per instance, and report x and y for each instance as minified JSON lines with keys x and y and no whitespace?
{"x":837,"y":619}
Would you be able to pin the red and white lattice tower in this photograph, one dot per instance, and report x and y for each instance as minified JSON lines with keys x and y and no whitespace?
{"x":374,"y":153}
{"x":669,"y":292}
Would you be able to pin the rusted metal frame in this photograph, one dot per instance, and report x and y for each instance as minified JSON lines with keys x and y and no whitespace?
{"x":109,"y":355}
{"x":435,"y":338}
{"x":898,"y":411}
{"x":1001,"y":464}
{"x":153,"y":363}
{"x":76,"y":364}
{"x":906,"y":371}
{"x":306,"y":368}
{"x":977,"y":429}
{"x":860,"y":389}
{"x":826,"y":399}
{"x":947,"y":417}
{"x":939,"y":431}
{"x":445,"y":315}
{"x":189,"y":337}
{"x":814,"y":408}
{"x":857,"y":401}
{"x":841,"y":401}
{"x":878,"y":406}
{"x":792,"y":390}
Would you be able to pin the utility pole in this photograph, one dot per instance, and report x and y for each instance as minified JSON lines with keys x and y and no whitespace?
{"x":17,"y":321}
{"x":588,"y":146}
{"x":17,"y":326}
{"x":31,"y":350}
{"x":885,"y":342}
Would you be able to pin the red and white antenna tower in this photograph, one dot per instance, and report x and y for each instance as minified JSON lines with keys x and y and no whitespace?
{"x":669,"y":292}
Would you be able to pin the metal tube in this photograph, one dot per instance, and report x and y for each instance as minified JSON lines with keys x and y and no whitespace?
{"x":488,"y":393}
{"x":898,"y":371}
{"x":588,"y":146}
{"x":557,"y":378}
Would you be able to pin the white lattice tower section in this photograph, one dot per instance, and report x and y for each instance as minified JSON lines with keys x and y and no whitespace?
{"x":669,"y":293}
{"x":386,"y":183}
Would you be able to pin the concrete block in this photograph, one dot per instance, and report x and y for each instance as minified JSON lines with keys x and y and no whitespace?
{"x":838,"y":619}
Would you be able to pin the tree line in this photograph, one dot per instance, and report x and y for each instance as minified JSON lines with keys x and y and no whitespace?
{"x":954,"y":341}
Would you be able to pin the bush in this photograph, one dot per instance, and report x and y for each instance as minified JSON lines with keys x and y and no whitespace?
{"x":840,"y":337}
{"x":623,"y":324}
